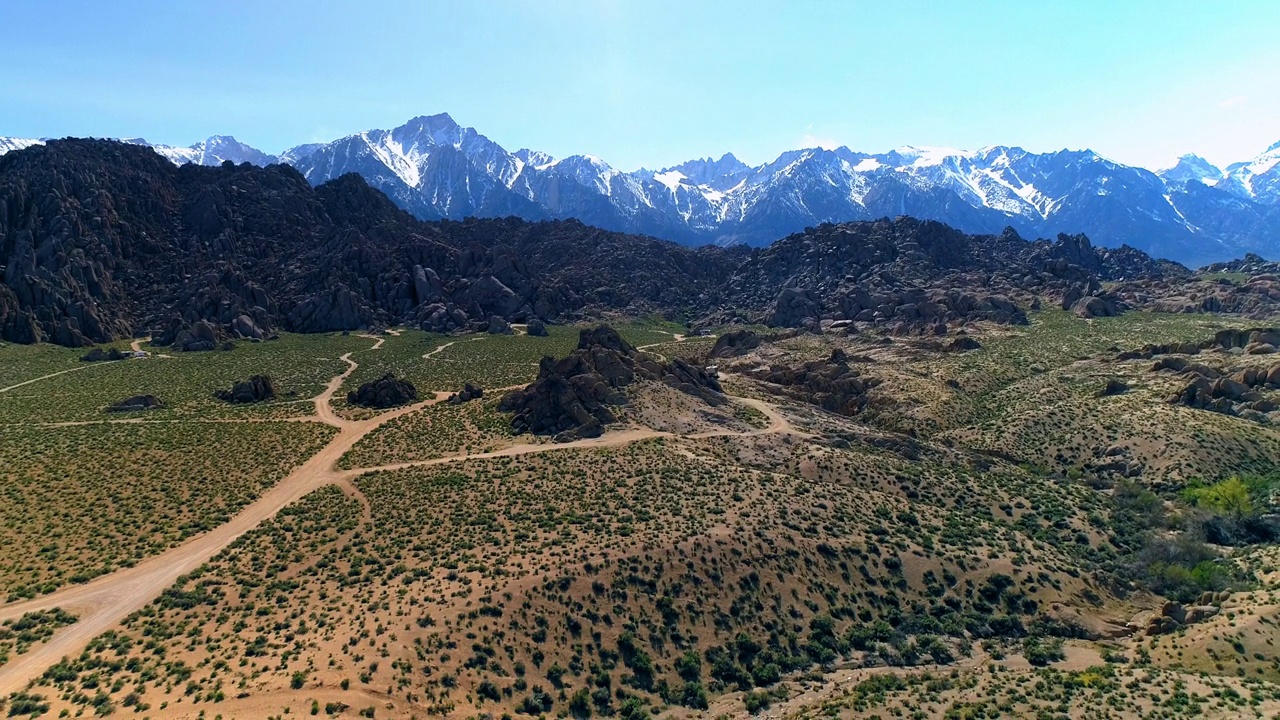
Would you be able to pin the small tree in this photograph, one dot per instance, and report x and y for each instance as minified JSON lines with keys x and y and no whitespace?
{"x":1231,"y":497}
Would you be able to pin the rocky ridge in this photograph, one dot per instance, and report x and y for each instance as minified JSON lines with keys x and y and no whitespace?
{"x":574,"y":397}
{"x":831,"y":383}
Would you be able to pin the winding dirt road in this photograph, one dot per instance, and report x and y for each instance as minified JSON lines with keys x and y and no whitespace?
{"x":778,"y":423}
{"x":103,"y":602}
{"x":50,"y":375}
{"x":136,"y":346}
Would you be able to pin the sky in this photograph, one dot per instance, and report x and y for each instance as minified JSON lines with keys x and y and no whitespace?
{"x":651,"y":83}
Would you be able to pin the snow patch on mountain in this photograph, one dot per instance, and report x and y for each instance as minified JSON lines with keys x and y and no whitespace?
{"x":9,"y":144}
{"x":671,"y":179}
{"x":1257,"y":179}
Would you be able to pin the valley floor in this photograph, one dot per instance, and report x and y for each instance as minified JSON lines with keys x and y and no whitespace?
{"x":763,"y":557}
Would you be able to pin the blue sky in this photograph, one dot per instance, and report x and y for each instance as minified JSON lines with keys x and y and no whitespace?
{"x":655,"y":82}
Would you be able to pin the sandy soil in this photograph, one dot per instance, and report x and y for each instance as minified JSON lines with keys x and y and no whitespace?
{"x":102,"y":603}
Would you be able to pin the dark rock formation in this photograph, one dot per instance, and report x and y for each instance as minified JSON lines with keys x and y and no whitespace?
{"x":257,"y":388}
{"x":468,"y":393}
{"x":498,"y":326}
{"x":536,"y":328}
{"x":136,"y":403}
{"x":386,"y":392}
{"x":1149,"y":351}
{"x":1096,"y":306}
{"x":195,"y":337}
{"x":1251,"y":264}
{"x":246,"y":327}
{"x":1113,"y":387}
{"x":100,"y":355}
{"x":1256,"y":297}
{"x":734,"y":343}
{"x":831,"y":384}
{"x":1244,"y":339}
{"x":572,"y":396}
{"x":963,"y":343}
{"x":916,"y":276}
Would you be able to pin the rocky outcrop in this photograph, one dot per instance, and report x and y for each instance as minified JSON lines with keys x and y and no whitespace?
{"x":1096,"y":306}
{"x":1250,"y":265}
{"x":916,"y":277}
{"x":256,"y":389}
{"x":441,"y":318}
{"x":1241,"y":393}
{"x":1245,"y":392}
{"x":831,"y":384}
{"x":1113,"y":462}
{"x":1171,"y":616}
{"x":572,"y":397}
{"x":137,"y":403}
{"x":1113,"y":387}
{"x":100,"y":355}
{"x":734,"y":343}
{"x":1256,"y":297}
{"x":248,"y":328}
{"x":1174,"y":363}
{"x":1149,"y":351}
{"x":195,"y":337}
{"x":1252,"y":341}
{"x":1252,"y":338}
{"x":385,"y":392}
{"x":498,"y":326}
{"x":468,"y":393}
{"x":963,"y":343}
{"x":536,"y":328}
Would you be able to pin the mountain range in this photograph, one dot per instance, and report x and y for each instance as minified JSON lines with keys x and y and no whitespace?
{"x":434,"y":168}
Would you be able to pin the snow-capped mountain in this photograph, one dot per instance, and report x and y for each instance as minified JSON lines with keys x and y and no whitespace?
{"x":8,"y":144}
{"x":1258,"y":178}
{"x":1192,"y":167}
{"x":213,"y":151}
{"x":435,"y":168}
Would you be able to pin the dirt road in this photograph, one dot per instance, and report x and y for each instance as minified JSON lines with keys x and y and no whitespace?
{"x":102,"y":603}
{"x":46,"y":377}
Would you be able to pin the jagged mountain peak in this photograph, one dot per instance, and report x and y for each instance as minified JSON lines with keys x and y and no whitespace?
{"x":727,"y":162}
{"x":438,"y":120}
{"x":536,"y":158}
{"x":434,"y":167}
{"x":1257,"y":179}
{"x":298,"y":152}
{"x":1191,"y":167}
{"x":441,"y":128}
{"x":708,"y":171}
